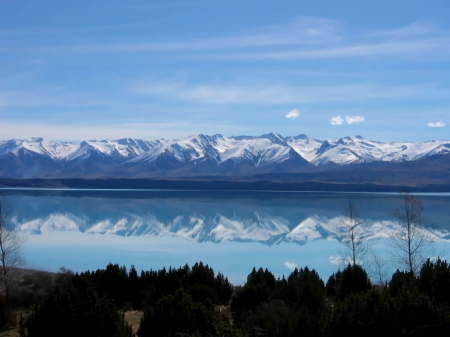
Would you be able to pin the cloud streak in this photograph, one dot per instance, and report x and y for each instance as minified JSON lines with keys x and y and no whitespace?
{"x":312,"y":38}
{"x":288,"y":94}
{"x":303,"y":31}
{"x":417,"y":47}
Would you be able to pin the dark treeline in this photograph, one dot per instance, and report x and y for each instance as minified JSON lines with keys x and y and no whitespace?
{"x":129,"y":290}
{"x":194,"y":301}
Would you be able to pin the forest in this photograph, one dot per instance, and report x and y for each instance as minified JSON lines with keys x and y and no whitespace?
{"x":195,"y":301}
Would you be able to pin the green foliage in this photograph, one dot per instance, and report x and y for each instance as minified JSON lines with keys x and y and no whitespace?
{"x":434,"y":279}
{"x":178,"y":314}
{"x":258,"y":289}
{"x":359,"y":314}
{"x":184,"y":301}
{"x":354,"y":279}
{"x":374,"y":313}
{"x":279,"y":319}
{"x":132,"y":291}
{"x":333,"y":283}
{"x":400,"y":280}
{"x":75,"y":311}
{"x":304,"y":287}
{"x":283,"y":307}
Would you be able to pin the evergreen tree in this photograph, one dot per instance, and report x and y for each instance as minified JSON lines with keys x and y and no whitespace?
{"x":75,"y":311}
{"x":434,"y":279}
{"x":400,"y":280}
{"x":178,"y":314}
{"x":354,"y":279}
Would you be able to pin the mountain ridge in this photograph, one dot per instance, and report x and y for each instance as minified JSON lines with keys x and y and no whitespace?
{"x":200,"y":155}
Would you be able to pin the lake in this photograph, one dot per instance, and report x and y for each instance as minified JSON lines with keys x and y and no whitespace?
{"x":231,"y":231}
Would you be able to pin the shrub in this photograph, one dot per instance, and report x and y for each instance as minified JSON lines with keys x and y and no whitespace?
{"x":75,"y":311}
{"x":7,"y":317}
{"x":178,"y":314}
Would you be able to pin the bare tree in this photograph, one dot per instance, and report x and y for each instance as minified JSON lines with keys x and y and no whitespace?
{"x":11,"y":241}
{"x":411,"y":241}
{"x":354,"y":236}
{"x":378,"y":269}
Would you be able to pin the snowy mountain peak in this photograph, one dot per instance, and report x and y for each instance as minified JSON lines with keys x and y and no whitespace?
{"x":274,"y":138}
{"x":204,"y":154}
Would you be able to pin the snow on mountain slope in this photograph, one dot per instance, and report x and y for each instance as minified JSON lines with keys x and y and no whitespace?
{"x":304,"y":146}
{"x":268,"y":150}
{"x":265,"y":150}
{"x":39,"y":146}
{"x":262,"y":228}
{"x":121,"y":149}
{"x":347,"y":150}
{"x":188,"y":149}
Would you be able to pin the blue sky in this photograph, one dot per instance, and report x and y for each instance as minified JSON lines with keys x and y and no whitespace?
{"x":73,"y":70}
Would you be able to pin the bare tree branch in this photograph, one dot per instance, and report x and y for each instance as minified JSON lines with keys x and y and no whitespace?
{"x":11,"y":241}
{"x":378,"y":269}
{"x":354,"y":234}
{"x":411,"y":241}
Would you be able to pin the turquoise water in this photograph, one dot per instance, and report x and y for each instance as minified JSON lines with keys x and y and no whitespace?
{"x":231,"y":231}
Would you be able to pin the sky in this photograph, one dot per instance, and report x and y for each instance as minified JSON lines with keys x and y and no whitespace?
{"x":75,"y":70}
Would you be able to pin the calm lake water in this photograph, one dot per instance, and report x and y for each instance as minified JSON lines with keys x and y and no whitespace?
{"x":231,"y":231}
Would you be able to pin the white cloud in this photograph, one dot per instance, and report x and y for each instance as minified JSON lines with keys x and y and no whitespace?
{"x":290,"y":265}
{"x":354,"y":119}
{"x":293,"y":114}
{"x":336,"y":120}
{"x":438,"y":124}
{"x":335,"y":260}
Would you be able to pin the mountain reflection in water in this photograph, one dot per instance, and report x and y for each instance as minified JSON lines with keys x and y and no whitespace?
{"x":272,"y":219}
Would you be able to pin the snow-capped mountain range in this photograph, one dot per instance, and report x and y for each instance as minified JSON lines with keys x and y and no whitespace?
{"x":261,"y":228}
{"x":201,"y":155}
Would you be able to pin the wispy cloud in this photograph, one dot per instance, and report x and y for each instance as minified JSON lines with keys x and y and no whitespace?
{"x":287,"y":94}
{"x":438,"y":124}
{"x":336,"y":120}
{"x":418,"y":47}
{"x":51,"y":97}
{"x":293,"y":114}
{"x":290,"y":265}
{"x":302,"y":32}
{"x":301,"y":39}
{"x":412,"y":30}
{"x":354,"y":119}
